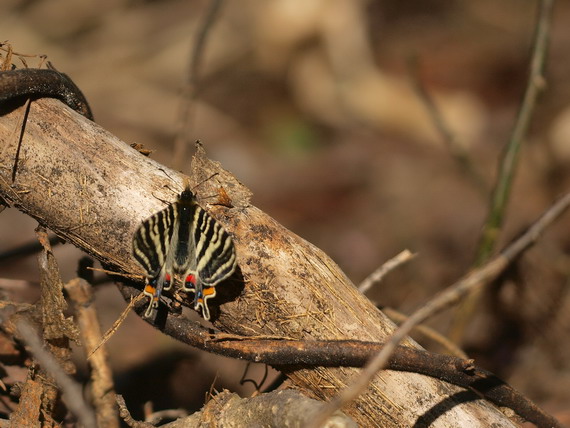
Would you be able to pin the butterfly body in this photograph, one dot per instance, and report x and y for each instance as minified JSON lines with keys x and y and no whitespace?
{"x":182,"y":244}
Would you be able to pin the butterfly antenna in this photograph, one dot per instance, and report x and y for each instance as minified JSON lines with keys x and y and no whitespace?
{"x":165,"y":173}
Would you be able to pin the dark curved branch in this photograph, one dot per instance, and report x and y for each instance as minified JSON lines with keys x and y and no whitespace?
{"x":39,"y":83}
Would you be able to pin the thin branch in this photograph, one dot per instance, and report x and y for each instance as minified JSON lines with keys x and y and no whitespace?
{"x":454,"y":146}
{"x":509,"y":162}
{"x":377,"y":276}
{"x":72,"y":393}
{"x":80,"y":292}
{"x":126,"y":415}
{"x":473,"y":281}
{"x":25,"y":115}
{"x":190,"y":91}
{"x":111,"y":331}
{"x":257,"y":385}
{"x":428,"y":332}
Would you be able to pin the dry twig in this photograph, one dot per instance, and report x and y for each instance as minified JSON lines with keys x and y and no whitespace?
{"x":72,"y":393}
{"x":126,"y":415}
{"x":377,"y":276}
{"x":102,"y":386}
{"x":428,"y":332}
{"x":109,"y":333}
{"x":509,"y":162}
{"x":190,"y":91}
{"x":454,"y":146}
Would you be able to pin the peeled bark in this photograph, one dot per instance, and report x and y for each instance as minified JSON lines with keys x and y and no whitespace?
{"x":275,"y":409}
{"x":93,"y":190}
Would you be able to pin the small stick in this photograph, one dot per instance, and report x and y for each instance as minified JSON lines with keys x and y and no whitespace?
{"x":72,"y":393}
{"x":428,"y":332}
{"x":80,"y":292}
{"x":190,"y":91}
{"x":509,"y":162}
{"x":454,"y":146}
{"x":377,"y":276}
{"x":109,"y":333}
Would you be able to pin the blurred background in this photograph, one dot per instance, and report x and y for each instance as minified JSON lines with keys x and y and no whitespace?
{"x":315,"y":105}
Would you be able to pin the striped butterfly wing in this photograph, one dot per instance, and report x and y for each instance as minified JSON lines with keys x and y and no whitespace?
{"x":151,"y":245}
{"x":215,"y":251}
{"x":214,"y":259}
{"x":185,"y":243}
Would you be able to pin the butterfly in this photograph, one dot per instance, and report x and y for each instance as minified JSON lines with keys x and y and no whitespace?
{"x":183,"y":244}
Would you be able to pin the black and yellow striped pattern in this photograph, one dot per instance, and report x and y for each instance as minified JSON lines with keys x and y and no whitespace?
{"x":183,"y":244}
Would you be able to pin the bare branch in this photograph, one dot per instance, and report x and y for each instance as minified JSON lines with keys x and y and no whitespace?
{"x":507,"y":168}
{"x":72,"y":393}
{"x":284,"y":354}
{"x":102,"y":386}
{"x":454,"y":146}
{"x":190,"y":91}
{"x":377,"y":276}
{"x":428,"y":332}
{"x":126,"y":415}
